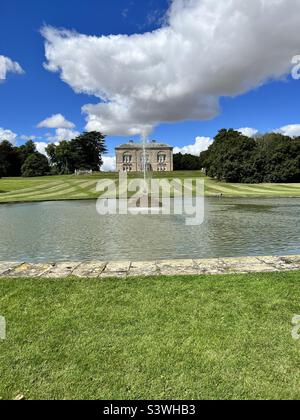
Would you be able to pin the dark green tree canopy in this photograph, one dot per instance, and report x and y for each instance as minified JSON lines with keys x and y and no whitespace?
{"x":26,"y":150}
{"x":187,"y":162}
{"x":61,"y":157}
{"x":84,"y":152}
{"x":270,"y":158}
{"x":88,"y":150}
{"x":35,"y":165}
{"x":10,"y":162}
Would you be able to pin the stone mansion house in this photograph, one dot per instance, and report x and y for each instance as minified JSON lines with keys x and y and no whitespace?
{"x":130,"y":157}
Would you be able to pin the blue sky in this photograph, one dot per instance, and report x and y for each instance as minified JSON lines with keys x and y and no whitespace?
{"x":28,"y":99}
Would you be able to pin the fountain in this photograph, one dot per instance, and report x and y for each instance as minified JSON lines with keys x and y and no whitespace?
{"x":146,"y":202}
{"x":144,"y":143}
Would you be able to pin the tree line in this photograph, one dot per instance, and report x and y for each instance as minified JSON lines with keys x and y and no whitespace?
{"x":268,"y":158}
{"x":84,"y":152}
{"x":233,"y":157}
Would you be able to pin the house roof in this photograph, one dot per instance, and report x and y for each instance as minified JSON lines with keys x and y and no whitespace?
{"x":152,"y":145}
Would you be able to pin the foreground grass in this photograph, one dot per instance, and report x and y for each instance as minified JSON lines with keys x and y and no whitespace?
{"x":163,"y":338}
{"x":71,"y":187}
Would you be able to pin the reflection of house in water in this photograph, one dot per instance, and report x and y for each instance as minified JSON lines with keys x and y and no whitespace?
{"x":131,"y":157}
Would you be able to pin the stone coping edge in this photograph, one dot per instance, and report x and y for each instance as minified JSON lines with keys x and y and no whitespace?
{"x":124,"y":269}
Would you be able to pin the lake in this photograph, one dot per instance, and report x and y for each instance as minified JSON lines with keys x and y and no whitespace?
{"x":73,"y":230}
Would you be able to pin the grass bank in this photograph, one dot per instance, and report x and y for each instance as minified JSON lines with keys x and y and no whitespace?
{"x":160,"y":338}
{"x":71,"y":187}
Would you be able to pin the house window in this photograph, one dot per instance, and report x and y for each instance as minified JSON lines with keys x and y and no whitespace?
{"x":127,"y":168}
{"x":161,"y":157}
{"x":127,"y":157}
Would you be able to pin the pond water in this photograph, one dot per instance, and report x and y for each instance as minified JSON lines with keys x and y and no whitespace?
{"x":62,"y":231}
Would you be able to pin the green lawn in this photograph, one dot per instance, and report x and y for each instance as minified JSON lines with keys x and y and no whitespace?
{"x":161,"y":338}
{"x":70,"y":187}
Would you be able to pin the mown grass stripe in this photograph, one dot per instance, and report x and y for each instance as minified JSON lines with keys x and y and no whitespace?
{"x":57,"y":188}
{"x":246,"y":189}
{"x":86,"y":185}
{"x":292,"y":187}
{"x":40,"y":191}
{"x":59,"y":194}
{"x":29,"y":190}
{"x":223,"y":189}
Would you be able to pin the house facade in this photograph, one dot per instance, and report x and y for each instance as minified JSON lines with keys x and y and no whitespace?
{"x":157,"y":157}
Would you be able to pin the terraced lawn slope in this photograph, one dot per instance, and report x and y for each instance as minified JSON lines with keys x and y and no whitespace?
{"x":84,"y":187}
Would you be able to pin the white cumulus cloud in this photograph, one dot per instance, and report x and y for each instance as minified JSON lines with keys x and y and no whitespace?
{"x":201,"y":144}
{"x":63,"y":134}
{"x":205,"y":50}
{"x":8,"y":66}
{"x":56,"y":121}
{"x":109,"y":164}
{"x":8,"y":135}
{"x":292,"y":130}
{"x":64,"y":129}
{"x":248,"y":131}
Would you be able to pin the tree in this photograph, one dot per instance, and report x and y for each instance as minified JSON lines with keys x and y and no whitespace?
{"x":269,"y":158}
{"x":5,"y":148}
{"x":84,"y":152}
{"x":88,"y":149}
{"x":26,"y":150}
{"x":2,"y":164}
{"x":9,"y":160}
{"x":203,"y":159}
{"x":187,"y":162}
{"x":35,"y":165}
{"x":61,"y":157}
{"x":279,"y":158}
{"x":229,"y":157}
